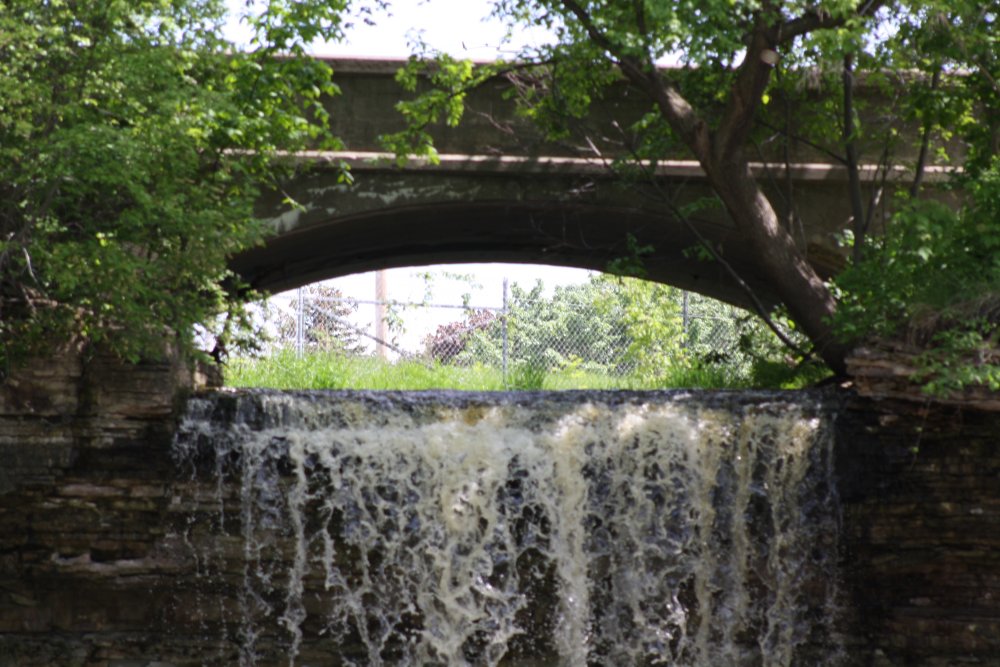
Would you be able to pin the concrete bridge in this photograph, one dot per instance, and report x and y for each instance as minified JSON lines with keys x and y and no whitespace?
{"x":501,"y":193}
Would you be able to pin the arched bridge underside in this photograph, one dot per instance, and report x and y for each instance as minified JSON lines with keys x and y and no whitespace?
{"x":503,"y":192}
{"x":486,"y":209}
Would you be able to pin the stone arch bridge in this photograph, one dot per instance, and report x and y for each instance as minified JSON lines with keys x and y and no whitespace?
{"x":503,"y":193}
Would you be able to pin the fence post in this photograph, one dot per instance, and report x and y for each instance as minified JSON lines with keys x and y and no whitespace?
{"x":381,"y":298}
{"x":684,"y":318}
{"x":299,"y":322}
{"x":503,"y":314}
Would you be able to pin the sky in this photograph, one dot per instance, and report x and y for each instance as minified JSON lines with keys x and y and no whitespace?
{"x":461,"y":28}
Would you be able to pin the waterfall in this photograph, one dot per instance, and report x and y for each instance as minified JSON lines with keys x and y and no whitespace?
{"x":573,"y":528}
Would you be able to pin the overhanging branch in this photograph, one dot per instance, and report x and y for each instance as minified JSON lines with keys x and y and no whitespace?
{"x":819,"y":19}
{"x":675,"y":108}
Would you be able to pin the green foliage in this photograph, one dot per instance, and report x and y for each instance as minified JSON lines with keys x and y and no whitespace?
{"x":957,"y":38}
{"x":568,"y":329}
{"x":444,"y":86}
{"x":527,"y":376}
{"x":933,"y":281}
{"x":336,"y":370}
{"x":962,"y":357}
{"x":631,"y":331}
{"x":134,"y":141}
{"x":651,"y":317}
{"x":325,"y":321}
{"x":605,"y":334}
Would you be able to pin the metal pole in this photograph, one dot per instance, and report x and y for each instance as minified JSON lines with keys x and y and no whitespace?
{"x":299,"y":322}
{"x":684,"y":317}
{"x":381,"y":299}
{"x":503,"y":324}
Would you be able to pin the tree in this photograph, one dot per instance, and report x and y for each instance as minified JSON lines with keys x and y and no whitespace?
{"x":324,"y":321}
{"x":931,"y":284}
{"x":134,"y":141}
{"x":650,"y":318}
{"x":575,"y":326}
{"x":744,"y":59}
{"x":449,"y":340}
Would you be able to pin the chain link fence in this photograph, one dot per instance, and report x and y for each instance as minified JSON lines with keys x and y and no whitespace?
{"x":607,"y":326}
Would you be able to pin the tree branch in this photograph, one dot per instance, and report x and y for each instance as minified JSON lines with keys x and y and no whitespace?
{"x":752,"y":78}
{"x":793,"y":217}
{"x":802,"y":140}
{"x":925,"y":140}
{"x":675,"y":108}
{"x":818,"y":19}
{"x":754,"y":73}
{"x":755,"y":301}
{"x":853,"y":177}
{"x":640,"y":16}
{"x":983,"y":67}
{"x":735,"y":275}
{"x":877,"y":193}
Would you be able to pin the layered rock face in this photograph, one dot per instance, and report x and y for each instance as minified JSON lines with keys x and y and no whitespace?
{"x":122,"y":547}
{"x":920,"y":489}
{"x":87,"y":548}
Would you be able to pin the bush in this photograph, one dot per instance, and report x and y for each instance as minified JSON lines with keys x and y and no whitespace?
{"x":933,"y":283}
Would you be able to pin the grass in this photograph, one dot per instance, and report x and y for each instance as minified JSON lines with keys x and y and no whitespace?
{"x":332,"y":370}
{"x":329,"y":370}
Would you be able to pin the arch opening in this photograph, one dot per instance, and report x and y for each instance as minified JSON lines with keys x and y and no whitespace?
{"x":501,"y":327}
{"x":389,"y":219}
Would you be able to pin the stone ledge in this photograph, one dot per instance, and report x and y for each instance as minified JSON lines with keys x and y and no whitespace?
{"x":70,"y":383}
{"x":891,"y":372}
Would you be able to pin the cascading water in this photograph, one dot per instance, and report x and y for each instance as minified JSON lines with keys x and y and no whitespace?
{"x":520,"y":529}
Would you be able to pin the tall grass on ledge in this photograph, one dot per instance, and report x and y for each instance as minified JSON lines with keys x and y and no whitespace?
{"x":334,"y":370}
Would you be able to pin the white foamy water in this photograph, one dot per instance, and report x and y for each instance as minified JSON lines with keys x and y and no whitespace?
{"x":569,"y":529}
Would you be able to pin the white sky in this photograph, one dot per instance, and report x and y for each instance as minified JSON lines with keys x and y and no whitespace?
{"x":463,"y":29}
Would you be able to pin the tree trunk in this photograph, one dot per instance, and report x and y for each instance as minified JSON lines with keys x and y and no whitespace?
{"x":783,"y":263}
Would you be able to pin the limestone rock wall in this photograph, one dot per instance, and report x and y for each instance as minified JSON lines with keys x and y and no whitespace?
{"x":920,"y":487}
{"x":87,"y":543}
